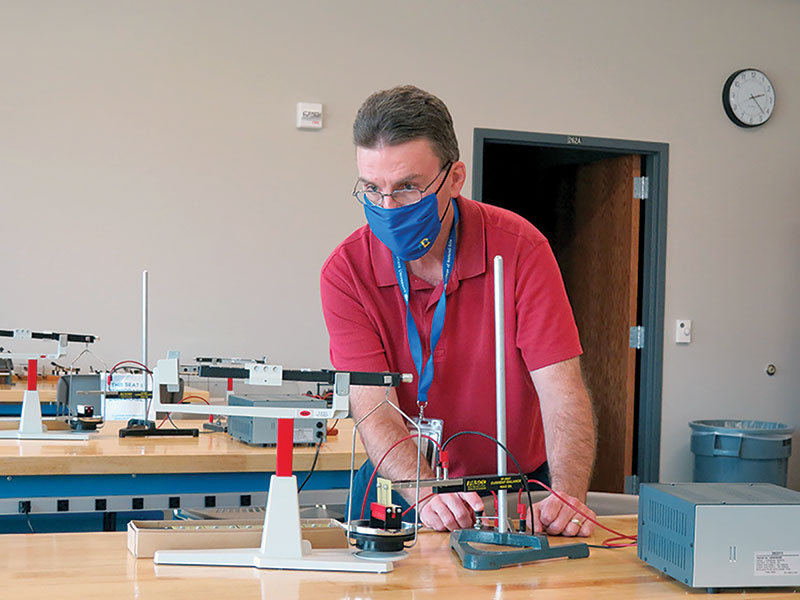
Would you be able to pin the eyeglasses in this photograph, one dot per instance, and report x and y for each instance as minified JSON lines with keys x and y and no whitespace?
{"x":367,"y":193}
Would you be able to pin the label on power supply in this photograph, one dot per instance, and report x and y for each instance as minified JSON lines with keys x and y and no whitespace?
{"x":303,"y":435}
{"x":777,"y":563}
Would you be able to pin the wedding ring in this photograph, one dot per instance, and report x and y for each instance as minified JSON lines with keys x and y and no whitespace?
{"x":577,"y":522}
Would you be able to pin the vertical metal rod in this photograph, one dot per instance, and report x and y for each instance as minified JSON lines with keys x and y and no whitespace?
{"x":144,"y":320}
{"x":500,"y":387}
{"x":144,"y":343}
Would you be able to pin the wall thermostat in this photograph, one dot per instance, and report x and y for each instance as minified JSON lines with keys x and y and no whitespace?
{"x":309,"y":115}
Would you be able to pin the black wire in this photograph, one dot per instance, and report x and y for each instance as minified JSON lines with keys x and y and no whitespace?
{"x":313,"y":464}
{"x":511,"y":456}
{"x":28,"y":518}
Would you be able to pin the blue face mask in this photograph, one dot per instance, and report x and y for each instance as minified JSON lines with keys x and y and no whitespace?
{"x":408,"y":231}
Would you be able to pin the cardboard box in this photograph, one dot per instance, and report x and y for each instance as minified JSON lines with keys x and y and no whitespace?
{"x":145,"y":538}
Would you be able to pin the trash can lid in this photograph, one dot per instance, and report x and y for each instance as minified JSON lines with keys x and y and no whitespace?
{"x":741,"y":426}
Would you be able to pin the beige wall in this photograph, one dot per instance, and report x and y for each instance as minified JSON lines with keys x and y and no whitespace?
{"x":160,"y":135}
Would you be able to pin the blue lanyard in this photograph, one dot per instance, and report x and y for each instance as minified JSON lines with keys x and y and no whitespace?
{"x":425,"y":374}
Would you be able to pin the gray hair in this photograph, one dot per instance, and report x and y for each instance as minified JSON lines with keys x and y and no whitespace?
{"x":402,"y":114}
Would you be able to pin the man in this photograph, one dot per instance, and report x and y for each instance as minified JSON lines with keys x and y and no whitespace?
{"x":382,"y":296}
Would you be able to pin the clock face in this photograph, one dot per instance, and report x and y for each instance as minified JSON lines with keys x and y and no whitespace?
{"x":748,"y":98}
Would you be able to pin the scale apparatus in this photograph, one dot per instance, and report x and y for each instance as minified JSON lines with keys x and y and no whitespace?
{"x":282,"y":546}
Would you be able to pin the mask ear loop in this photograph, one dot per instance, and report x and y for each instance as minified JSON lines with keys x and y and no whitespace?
{"x":445,"y":211}
{"x":446,"y":175}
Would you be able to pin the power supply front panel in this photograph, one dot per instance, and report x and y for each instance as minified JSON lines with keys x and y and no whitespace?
{"x":747,"y":546}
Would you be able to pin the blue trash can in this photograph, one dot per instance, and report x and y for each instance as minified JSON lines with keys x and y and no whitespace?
{"x":728,"y":450}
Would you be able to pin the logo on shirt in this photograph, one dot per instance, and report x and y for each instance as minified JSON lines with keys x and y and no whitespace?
{"x":425,"y":242}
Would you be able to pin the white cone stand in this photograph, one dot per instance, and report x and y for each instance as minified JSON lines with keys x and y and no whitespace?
{"x":30,"y":421}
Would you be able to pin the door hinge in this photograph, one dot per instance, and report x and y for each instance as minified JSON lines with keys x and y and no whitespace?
{"x":637,"y":337}
{"x":632,"y":484}
{"x":641,"y":187}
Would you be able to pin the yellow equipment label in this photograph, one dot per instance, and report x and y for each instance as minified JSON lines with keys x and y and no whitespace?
{"x":493,"y":483}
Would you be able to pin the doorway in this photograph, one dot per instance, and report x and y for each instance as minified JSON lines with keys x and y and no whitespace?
{"x":602,"y":205}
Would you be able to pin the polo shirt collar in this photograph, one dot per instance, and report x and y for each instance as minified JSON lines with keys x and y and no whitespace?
{"x":470,"y":248}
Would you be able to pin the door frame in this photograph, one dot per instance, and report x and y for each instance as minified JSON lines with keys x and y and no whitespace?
{"x":653,"y":253}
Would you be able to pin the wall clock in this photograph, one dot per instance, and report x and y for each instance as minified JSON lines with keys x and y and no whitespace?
{"x":748,"y":98}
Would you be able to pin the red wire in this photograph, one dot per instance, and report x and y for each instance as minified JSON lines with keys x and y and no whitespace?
{"x":164,"y":420}
{"x":194,"y":396}
{"x":210,"y":417}
{"x":125,"y":362}
{"x":410,"y":508}
{"x":133,"y":362}
{"x":583,"y":514}
{"x":332,"y":429}
{"x":380,"y":462}
{"x":608,"y":543}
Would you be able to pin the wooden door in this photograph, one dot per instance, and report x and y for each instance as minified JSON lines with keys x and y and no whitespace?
{"x":600,"y":264}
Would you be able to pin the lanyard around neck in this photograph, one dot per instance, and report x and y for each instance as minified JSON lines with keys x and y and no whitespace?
{"x":425,"y":374}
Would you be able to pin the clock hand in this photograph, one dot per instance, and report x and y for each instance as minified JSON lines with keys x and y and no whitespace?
{"x":753,"y":98}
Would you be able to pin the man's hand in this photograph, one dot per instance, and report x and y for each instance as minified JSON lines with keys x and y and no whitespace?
{"x":448,"y":512}
{"x":553,"y":517}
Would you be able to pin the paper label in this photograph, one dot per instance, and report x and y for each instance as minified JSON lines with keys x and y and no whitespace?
{"x":303,"y":435}
{"x":126,"y":382}
{"x":777,"y":563}
{"x":123,"y":409}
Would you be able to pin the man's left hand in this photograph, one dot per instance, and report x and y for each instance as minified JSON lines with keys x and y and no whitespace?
{"x":553,"y":517}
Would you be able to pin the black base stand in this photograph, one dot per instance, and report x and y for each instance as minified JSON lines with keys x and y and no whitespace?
{"x":142,"y":428}
{"x":84,"y":423}
{"x":216,"y":426}
{"x":531,"y":548}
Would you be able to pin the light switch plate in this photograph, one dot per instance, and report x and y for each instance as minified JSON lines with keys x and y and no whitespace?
{"x":683,"y":331}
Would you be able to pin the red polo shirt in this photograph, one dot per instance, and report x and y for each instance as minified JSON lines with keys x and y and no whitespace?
{"x":365,"y":315}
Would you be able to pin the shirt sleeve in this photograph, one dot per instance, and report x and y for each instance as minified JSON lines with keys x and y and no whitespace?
{"x":546,"y":331}
{"x":355,"y":343}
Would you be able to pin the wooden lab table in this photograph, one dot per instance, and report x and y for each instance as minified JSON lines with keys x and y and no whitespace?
{"x":13,"y":393}
{"x":94,"y":566}
{"x":11,"y":397}
{"x":108,"y":477}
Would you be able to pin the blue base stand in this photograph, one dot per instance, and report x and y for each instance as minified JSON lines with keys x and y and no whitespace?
{"x":531,"y":548}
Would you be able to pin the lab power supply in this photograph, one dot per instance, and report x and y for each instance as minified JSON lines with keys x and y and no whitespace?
{"x":721,"y":535}
{"x":263,"y":431}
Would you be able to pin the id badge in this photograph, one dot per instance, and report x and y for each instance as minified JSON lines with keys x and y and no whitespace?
{"x":432,"y":428}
